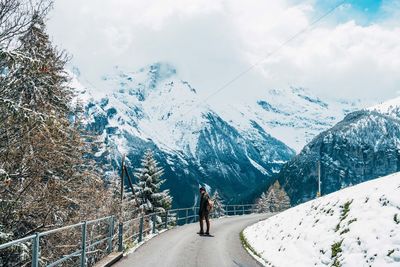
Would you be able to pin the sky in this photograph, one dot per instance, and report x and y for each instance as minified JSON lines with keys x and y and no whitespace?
{"x":353,"y":53}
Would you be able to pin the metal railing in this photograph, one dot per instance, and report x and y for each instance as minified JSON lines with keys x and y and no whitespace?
{"x":109,"y":236}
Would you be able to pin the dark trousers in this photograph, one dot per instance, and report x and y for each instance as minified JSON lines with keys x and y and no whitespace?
{"x":202,"y":217}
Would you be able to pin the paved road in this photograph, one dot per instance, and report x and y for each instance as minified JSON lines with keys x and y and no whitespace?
{"x":182,"y":247}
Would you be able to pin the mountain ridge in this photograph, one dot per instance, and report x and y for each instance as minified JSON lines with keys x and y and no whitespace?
{"x":198,"y":144}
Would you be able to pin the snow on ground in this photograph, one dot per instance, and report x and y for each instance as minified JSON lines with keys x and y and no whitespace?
{"x":357,"y":226}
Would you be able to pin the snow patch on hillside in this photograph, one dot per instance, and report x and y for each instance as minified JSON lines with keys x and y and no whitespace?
{"x":390,"y":107}
{"x":357,"y":226}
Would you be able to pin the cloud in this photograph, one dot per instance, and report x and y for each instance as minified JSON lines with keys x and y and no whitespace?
{"x":212,"y":41}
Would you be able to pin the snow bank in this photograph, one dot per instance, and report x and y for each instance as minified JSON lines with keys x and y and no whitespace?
{"x":357,"y":226}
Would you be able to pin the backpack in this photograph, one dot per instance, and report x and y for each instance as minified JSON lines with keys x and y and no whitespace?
{"x":210,"y":204}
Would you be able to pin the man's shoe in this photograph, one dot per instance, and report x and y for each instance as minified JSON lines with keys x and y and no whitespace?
{"x":200,"y":233}
{"x":207,"y":233}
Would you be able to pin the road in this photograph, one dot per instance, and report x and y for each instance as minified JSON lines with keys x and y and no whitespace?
{"x":182,"y":247}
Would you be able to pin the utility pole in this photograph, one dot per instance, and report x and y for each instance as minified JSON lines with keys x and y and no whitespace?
{"x":319,"y":178}
{"x":122,"y":177}
{"x":121,"y":208}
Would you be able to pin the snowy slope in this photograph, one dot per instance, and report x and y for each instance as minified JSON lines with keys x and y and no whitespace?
{"x":362,"y":147}
{"x":357,"y":226}
{"x":292,"y":115}
{"x":390,"y":107}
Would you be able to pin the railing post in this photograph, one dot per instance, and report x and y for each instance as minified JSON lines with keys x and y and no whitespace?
{"x":234,"y":210}
{"x":154,"y":218}
{"x":110,"y":234}
{"x":141,"y":229}
{"x":243,"y":210}
{"x":187,"y":216}
{"x":35,"y":250}
{"x":133,"y":232}
{"x":120,"y":237}
{"x":166,"y":220}
{"x":83,"y":244}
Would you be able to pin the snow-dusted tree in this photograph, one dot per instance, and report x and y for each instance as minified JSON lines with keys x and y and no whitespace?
{"x":16,"y":16}
{"x":46,"y":180}
{"x":218,"y":209}
{"x":128,"y":207}
{"x":261,"y":204}
{"x":277,"y":198}
{"x":283,"y":198}
{"x":274,"y":200}
{"x":147,"y":188}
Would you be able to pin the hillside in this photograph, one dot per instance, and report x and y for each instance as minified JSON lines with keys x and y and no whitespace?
{"x":364,"y":146}
{"x":357,"y":226}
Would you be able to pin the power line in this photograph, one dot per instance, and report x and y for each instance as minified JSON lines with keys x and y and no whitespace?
{"x":244,"y":72}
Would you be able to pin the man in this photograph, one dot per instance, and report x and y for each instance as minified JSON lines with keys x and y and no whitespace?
{"x":204,"y":211}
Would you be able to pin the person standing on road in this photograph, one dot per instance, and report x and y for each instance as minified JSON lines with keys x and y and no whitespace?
{"x":204,"y":211}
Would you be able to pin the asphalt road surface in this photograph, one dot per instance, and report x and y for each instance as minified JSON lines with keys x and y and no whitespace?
{"x":182,"y":247}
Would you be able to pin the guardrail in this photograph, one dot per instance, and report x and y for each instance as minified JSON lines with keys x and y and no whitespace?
{"x":96,"y":238}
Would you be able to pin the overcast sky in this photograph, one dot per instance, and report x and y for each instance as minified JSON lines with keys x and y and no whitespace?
{"x":352,"y":53}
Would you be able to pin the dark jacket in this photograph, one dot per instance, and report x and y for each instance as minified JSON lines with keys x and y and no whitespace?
{"x":203,"y":204}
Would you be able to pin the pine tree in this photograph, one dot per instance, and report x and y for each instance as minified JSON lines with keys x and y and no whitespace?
{"x":284,"y":200}
{"x":46,"y":180}
{"x":147,"y":189}
{"x":274,"y":200}
{"x":261,"y":204}
{"x":128,"y":208}
{"x":218,"y":209}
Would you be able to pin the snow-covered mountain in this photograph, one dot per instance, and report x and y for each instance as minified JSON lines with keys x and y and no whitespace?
{"x":233,"y":148}
{"x":364,"y":146}
{"x":390,"y":108}
{"x":292,"y":115}
{"x":356,"y":226}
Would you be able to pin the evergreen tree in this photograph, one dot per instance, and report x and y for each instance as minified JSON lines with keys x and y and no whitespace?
{"x":129,"y":206}
{"x":46,"y":181}
{"x":147,"y":189}
{"x":274,"y":200}
{"x":261,"y":204}
{"x":284,"y":200}
{"x":218,"y":209}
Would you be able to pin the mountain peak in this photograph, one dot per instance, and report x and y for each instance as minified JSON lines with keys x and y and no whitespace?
{"x":159,"y":71}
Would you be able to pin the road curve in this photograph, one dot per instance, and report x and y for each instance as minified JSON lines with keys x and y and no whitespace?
{"x":181,"y":246}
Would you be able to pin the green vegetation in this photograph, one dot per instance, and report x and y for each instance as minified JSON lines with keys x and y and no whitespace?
{"x":390,"y":252}
{"x":345,"y":231}
{"x":336,"y":248}
{"x":351,"y":221}
{"x":246,"y":244}
{"x":344,"y":213}
{"x":336,"y":263}
{"x":345,"y":210}
{"x":396,"y":218}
